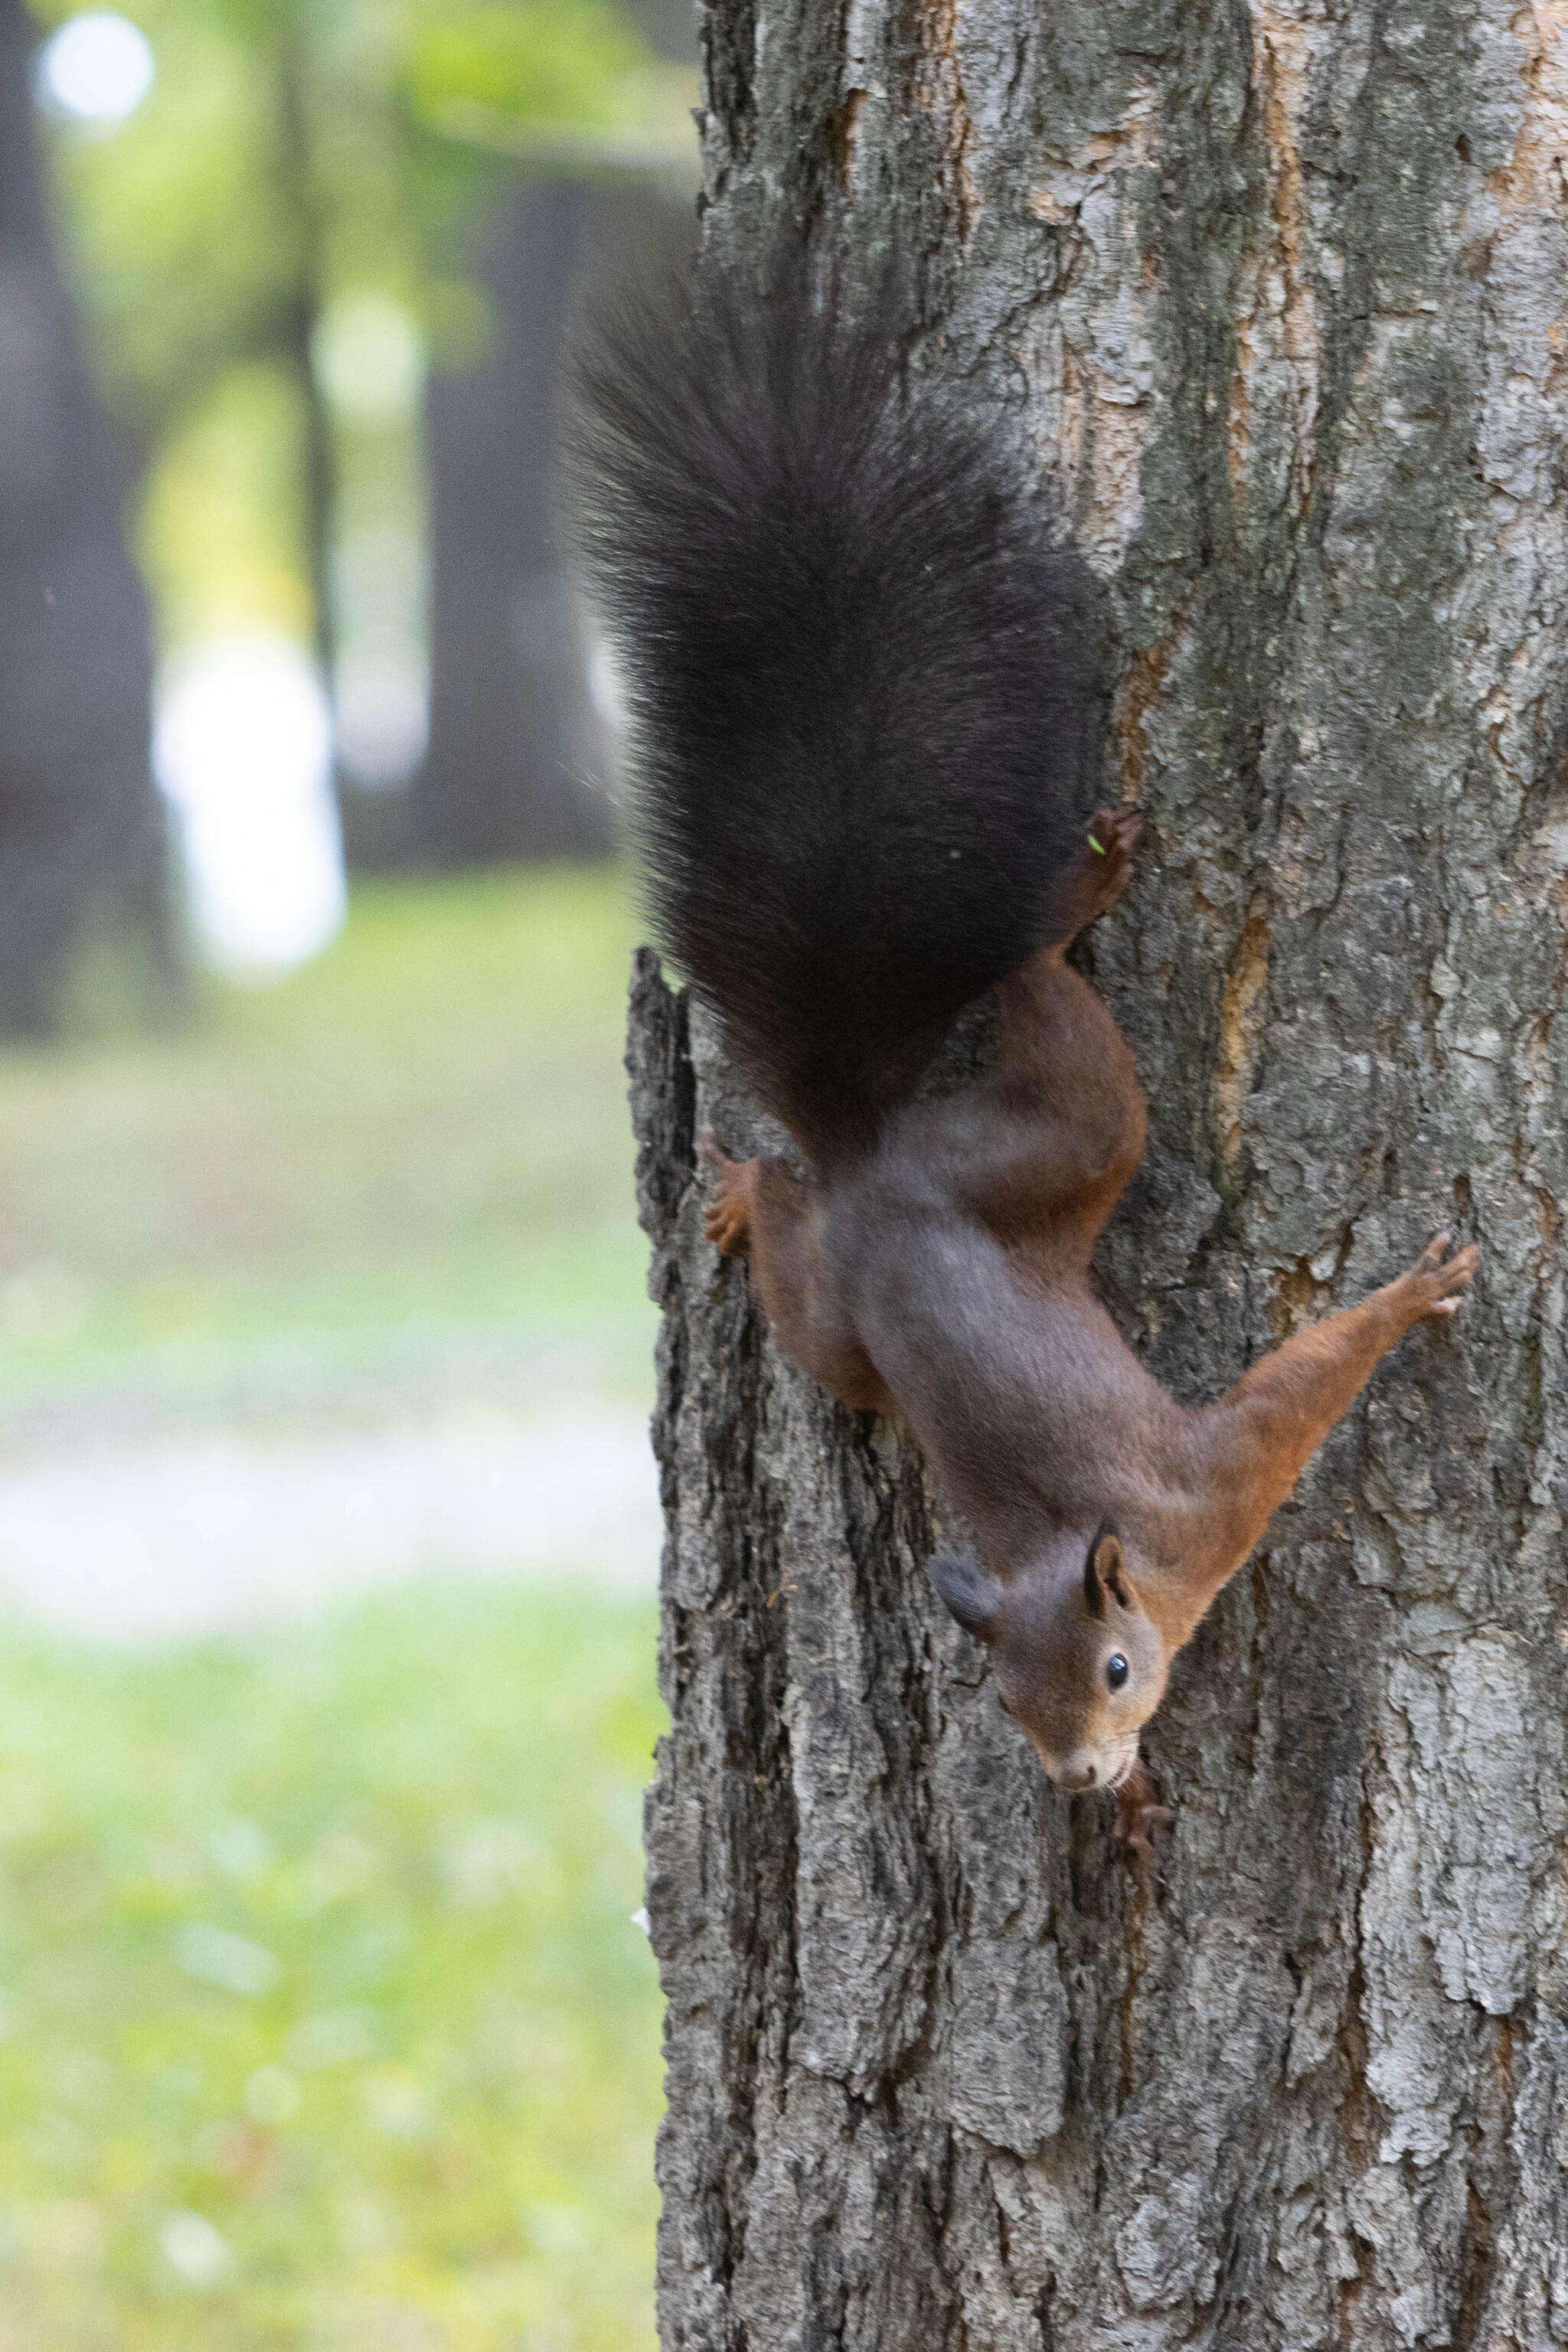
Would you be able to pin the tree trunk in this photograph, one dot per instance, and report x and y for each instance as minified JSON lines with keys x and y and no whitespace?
{"x":300,"y":317}
{"x":518,"y":760}
{"x":82,"y":847}
{"x":1277,"y":292}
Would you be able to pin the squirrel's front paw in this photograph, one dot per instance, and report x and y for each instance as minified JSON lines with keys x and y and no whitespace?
{"x":1436,"y":1284}
{"x":727,"y":1220}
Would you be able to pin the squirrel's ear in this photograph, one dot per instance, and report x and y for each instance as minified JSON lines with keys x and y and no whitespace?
{"x":1105,"y":1570}
{"x":972,"y":1595}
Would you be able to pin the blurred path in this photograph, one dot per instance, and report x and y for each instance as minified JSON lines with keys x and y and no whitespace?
{"x":184,"y":1537}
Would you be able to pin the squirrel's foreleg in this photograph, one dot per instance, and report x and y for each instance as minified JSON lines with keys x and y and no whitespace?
{"x":1255,"y":1443}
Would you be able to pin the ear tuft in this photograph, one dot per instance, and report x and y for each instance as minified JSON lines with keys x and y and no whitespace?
{"x":971,"y":1592}
{"x":1105,"y":1570}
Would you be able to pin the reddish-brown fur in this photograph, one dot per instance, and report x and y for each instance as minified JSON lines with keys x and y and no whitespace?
{"x":945,"y":1276}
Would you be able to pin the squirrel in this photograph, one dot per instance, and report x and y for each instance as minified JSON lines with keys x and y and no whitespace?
{"x":867,"y":713}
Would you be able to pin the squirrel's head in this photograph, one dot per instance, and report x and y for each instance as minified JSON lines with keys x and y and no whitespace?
{"x":1079,"y":1663}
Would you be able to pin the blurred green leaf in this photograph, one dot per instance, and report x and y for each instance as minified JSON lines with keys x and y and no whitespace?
{"x":575,"y":61}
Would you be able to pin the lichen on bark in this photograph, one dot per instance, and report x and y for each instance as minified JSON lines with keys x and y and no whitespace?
{"x":1275,"y":294}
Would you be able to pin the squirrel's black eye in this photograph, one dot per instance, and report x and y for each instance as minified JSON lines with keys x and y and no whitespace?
{"x":1116,"y":1671}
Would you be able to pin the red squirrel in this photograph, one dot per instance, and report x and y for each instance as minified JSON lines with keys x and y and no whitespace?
{"x":867,"y":717}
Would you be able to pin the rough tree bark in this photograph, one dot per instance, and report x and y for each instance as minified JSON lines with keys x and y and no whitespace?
{"x":1277,"y":292}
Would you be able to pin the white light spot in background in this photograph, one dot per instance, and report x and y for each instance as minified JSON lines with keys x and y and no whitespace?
{"x":382,"y":710}
{"x":220,"y":1957}
{"x":243,"y":748}
{"x":369,"y":357}
{"x":97,"y":69}
{"x":381,"y":687}
{"x":197,"y":2249}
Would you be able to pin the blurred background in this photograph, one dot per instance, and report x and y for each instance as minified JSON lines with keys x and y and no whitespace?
{"x":328,"y":1527}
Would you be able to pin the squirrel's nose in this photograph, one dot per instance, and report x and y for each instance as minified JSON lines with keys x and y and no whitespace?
{"x":1076,"y":1776}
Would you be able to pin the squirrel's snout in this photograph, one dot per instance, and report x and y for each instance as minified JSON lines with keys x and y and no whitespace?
{"x":1073,"y":1769}
{"x":1091,"y":1768}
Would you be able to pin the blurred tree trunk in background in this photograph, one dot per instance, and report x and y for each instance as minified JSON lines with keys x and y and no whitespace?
{"x":81,"y":836}
{"x":519,"y":759}
{"x":1277,"y":294}
{"x":300,"y":317}
{"x":524,"y":741}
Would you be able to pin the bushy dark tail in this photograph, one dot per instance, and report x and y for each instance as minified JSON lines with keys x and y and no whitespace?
{"x":867,"y":697}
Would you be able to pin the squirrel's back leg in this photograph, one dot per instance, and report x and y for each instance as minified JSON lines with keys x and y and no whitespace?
{"x":761,"y":1208}
{"x":1060,"y":1121}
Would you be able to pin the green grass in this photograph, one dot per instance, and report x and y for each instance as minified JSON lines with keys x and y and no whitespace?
{"x":323,"y":2027}
{"x":413,"y":1154}
{"x":324,"y":2020}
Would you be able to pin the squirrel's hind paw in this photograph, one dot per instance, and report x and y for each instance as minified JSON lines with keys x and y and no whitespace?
{"x":727,"y":1220}
{"x":1098,"y":876}
{"x":1115,"y":832}
{"x":1139,"y":1811}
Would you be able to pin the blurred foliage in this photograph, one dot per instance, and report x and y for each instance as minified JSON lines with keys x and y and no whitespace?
{"x":292,"y":152}
{"x":321,"y":2025}
{"x":582,"y":63}
{"x":183,"y":247}
{"x":413,"y":1152}
{"x":222,"y":521}
{"x":190,"y":220}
